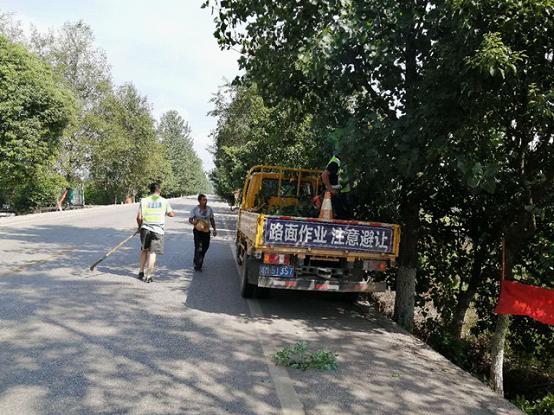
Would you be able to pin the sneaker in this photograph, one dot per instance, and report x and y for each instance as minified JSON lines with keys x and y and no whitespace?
{"x":141,"y":276}
{"x":149,"y":279}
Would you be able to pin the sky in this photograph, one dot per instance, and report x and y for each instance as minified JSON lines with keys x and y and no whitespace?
{"x":165,"y":47}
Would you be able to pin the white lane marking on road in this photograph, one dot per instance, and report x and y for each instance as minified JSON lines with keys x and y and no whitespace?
{"x":290,"y":402}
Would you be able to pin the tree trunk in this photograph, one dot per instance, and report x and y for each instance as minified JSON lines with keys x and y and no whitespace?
{"x":406,"y":275}
{"x":409,"y":209}
{"x":458,"y":319}
{"x":405,"y":297}
{"x":465,"y":297}
{"x":497,"y":353}
{"x":513,"y":242}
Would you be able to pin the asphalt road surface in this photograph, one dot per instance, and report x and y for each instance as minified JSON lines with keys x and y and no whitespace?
{"x":79,"y":342}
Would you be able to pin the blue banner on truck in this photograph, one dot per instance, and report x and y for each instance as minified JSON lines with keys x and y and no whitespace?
{"x":312,"y":234}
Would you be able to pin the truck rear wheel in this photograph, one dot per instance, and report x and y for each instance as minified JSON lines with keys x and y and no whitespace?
{"x":240,"y":253}
{"x":247,"y":289}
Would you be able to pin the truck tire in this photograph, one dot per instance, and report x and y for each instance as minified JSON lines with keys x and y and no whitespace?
{"x":239,"y":253}
{"x":247,"y":289}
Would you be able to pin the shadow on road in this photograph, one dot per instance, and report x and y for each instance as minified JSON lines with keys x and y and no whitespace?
{"x":77,"y":342}
{"x":96,"y":346}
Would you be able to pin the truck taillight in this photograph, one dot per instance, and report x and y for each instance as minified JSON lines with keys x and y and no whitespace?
{"x":281,"y":259}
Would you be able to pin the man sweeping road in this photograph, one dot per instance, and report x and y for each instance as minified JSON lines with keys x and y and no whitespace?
{"x":151,"y":221}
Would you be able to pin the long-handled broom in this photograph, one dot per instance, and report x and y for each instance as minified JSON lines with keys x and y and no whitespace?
{"x":111,"y":251}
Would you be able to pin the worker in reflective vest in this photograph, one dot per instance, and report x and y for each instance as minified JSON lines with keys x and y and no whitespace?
{"x":151,"y":221}
{"x":335,"y":179}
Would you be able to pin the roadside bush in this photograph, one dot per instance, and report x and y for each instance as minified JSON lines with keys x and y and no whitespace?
{"x":544,"y":406}
{"x":43,"y":189}
{"x":95,"y":195}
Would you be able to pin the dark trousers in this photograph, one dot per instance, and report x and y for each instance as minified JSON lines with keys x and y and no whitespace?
{"x":201,"y":245}
{"x":342,"y":206}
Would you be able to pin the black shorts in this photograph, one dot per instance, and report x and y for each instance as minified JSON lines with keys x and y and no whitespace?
{"x":151,"y":241}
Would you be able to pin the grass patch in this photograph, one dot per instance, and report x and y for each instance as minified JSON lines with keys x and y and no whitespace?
{"x":544,"y":406}
{"x":299,"y":357}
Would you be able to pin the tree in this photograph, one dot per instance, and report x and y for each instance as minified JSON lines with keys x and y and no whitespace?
{"x":358,"y":64}
{"x":250,"y":132}
{"x":71,"y":51}
{"x":186,"y":167}
{"x":112,"y":140}
{"x":34,"y":112}
{"x":508,"y":93}
{"x":127,"y":155}
{"x":85,"y":70}
{"x":446,"y":101}
{"x":11,"y":29}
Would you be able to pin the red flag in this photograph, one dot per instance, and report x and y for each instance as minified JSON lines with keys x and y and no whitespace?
{"x":526,"y":300}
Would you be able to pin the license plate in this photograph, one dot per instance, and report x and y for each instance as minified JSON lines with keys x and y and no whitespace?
{"x":284,"y":271}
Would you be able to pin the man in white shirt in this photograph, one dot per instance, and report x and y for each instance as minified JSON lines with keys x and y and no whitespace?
{"x":201,"y":216}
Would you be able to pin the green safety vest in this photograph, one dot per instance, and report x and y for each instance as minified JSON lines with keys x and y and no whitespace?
{"x":153,"y":210}
{"x":343,"y":175}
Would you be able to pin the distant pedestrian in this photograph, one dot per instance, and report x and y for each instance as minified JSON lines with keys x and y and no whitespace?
{"x":59,"y":203}
{"x":151,"y":221}
{"x":201,"y":217}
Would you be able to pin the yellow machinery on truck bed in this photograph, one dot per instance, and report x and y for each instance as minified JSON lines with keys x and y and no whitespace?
{"x":281,"y":242}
